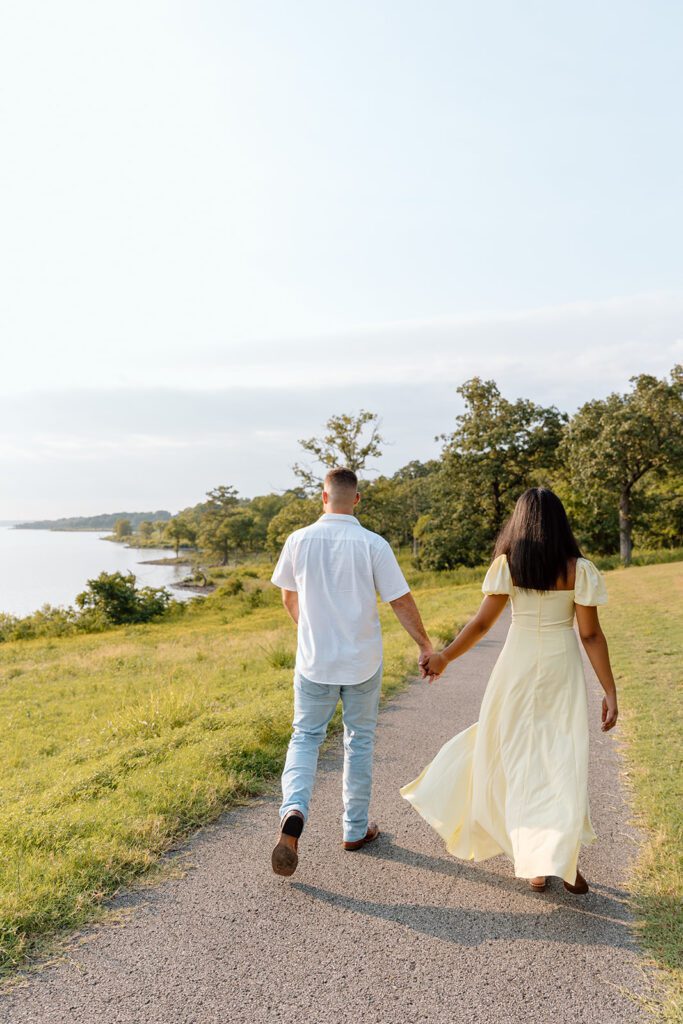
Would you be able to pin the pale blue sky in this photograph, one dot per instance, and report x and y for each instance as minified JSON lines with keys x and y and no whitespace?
{"x":221,"y":222}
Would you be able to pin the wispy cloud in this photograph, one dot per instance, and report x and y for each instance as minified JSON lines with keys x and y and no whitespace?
{"x":218,"y":418}
{"x":545,"y":345}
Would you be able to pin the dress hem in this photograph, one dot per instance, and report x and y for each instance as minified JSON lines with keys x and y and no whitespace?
{"x":553,"y":871}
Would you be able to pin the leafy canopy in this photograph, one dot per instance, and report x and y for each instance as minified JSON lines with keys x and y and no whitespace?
{"x":349,"y":441}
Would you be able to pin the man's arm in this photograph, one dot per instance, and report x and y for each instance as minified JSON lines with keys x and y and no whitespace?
{"x":290,"y":600}
{"x":407,"y":614}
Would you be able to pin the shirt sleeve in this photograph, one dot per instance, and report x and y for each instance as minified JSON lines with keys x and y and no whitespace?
{"x":498,"y":579}
{"x":589,"y":585}
{"x":390,"y":582}
{"x":283,"y":573}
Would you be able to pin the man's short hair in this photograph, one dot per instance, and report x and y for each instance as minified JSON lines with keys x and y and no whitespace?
{"x":341,"y":479}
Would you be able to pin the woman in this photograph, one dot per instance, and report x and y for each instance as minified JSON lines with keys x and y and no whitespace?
{"x":516,"y":781}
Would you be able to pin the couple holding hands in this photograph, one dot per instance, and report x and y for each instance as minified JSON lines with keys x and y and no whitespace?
{"x":515,"y":782}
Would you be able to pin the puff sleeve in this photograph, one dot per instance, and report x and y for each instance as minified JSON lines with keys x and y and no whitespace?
{"x":589,"y":587}
{"x":498,"y":579}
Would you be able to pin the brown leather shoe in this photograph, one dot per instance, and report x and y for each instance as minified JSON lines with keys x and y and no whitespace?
{"x":580,"y":886}
{"x":285,"y":856}
{"x":370,"y":835}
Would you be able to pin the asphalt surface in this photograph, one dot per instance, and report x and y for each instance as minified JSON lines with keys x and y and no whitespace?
{"x":397,"y":932}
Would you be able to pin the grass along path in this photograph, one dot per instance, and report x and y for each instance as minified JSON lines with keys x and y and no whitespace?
{"x":644,"y":625}
{"x":117,"y":744}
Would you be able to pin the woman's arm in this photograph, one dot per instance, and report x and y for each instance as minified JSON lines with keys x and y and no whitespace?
{"x":595,"y":646}
{"x":489,"y":610}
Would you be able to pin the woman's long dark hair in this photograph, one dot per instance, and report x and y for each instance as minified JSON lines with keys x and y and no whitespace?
{"x":538,"y":540}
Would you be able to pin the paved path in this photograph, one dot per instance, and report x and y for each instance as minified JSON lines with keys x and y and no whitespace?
{"x":399,"y":932}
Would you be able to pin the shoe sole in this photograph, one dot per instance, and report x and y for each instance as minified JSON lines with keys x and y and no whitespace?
{"x":284,"y":860}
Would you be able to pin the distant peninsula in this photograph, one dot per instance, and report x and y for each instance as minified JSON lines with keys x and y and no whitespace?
{"x":105,"y":521}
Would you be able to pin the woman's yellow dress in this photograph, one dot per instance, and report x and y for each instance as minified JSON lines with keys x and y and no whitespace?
{"x":515,"y":782}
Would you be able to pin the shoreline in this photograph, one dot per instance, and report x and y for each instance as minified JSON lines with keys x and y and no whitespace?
{"x":159,"y":561}
{"x":185,"y":584}
{"x":198,"y":588}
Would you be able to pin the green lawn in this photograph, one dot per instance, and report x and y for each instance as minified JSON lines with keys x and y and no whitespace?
{"x":644,"y":625}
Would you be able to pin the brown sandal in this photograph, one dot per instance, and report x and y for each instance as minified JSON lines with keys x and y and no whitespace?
{"x":538,"y":886}
{"x":580,"y":886}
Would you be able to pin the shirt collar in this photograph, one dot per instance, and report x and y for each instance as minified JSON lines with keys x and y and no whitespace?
{"x":337,"y":515}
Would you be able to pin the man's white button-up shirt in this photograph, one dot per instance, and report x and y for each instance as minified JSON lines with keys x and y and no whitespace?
{"x":336,"y":567}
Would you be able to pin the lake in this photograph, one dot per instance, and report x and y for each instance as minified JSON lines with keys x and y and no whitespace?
{"x":53,"y":565}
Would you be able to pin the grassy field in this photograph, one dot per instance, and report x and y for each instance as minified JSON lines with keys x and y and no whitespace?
{"x":117,"y":744}
{"x":644,"y":624}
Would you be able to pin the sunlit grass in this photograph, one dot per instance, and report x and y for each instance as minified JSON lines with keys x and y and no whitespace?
{"x":644,"y":624}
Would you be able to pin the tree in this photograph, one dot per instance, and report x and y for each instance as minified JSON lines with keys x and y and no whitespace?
{"x":498,"y":449}
{"x":392,"y":505}
{"x":116,"y":599}
{"x":122,"y":528}
{"x":594,"y":517}
{"x":613,"y":446}
{"x":263,"y":509}
{"x":241,"y":529}
{"x":216,"y":532}
{"x":146,"y":529}
{"x":175,"y":531}
{"x":658,"y":522}
{"x":188,"y":518}
{"x":296,"y":513}
{"x":350,"y":441}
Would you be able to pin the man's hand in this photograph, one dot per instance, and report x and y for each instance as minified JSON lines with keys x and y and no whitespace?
{"x":423,"y":658}
{"x":424,"y":661}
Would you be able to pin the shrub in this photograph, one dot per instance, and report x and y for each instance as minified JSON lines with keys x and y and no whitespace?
{"x":233,"y":586}
{"x":281,"y":657}
{"x":117,"y":599}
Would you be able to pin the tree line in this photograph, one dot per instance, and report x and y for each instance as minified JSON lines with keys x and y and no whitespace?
{"x":616,"y":463}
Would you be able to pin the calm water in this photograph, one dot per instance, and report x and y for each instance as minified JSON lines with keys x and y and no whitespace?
{"x":45,"y":565}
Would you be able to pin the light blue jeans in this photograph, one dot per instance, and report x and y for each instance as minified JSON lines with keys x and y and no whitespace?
{"x":314,"y":706}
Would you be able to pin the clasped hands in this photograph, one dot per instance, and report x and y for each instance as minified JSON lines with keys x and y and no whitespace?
{"x":431,"y":663}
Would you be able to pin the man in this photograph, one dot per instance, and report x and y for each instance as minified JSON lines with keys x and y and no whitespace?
{"x":329,"y":574}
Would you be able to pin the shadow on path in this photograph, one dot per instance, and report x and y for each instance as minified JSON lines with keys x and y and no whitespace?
{"x":600,"y":918}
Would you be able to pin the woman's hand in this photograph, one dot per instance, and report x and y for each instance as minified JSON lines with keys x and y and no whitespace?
{"x":435,"y":664}
{"x":610,"y":712}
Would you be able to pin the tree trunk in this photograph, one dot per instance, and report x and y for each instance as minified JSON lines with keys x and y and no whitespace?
{"x":497,"y":510}
{"x":625,"y":541}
